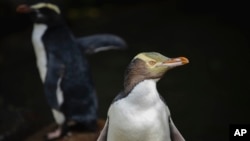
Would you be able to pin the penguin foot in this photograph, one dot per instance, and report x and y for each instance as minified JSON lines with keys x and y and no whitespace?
{"x":55,"y":135}
{"x":65,"y":130}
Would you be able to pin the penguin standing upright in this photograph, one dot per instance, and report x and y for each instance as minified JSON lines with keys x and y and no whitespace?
{"x":63,"y":68}
{"x":139,"y":113}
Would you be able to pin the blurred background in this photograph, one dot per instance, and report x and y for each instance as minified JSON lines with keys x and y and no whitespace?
{"x":205,"y":96}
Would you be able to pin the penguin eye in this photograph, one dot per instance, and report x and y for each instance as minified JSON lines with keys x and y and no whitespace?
{"x":151,"y":63}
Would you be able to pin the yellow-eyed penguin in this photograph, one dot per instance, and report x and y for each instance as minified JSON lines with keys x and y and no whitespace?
{"x":139,"y":113}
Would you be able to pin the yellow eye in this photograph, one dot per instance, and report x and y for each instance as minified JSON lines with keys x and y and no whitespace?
{"x":151,"y":63}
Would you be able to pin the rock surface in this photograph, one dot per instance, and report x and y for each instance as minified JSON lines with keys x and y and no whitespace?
{"x":75,"y":136}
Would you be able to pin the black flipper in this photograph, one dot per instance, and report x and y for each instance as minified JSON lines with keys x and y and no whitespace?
{"x":55,"y":69}
{"x":100,"y":42}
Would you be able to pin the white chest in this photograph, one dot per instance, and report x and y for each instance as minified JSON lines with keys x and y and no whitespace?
{"x":141,"y":116}
{"x":41,"y":57}
{"x":38,"y":32}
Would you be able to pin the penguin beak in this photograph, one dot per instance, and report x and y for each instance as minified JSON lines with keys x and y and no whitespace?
{"x":23,"y":8}
{"x":174,"y":62}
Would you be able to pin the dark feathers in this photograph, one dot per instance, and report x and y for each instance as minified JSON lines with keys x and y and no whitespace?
{"x":100,"y":42}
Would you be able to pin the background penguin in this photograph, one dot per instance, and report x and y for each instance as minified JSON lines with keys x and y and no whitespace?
{"x":139,"y":113}
{"x":63,"y":68}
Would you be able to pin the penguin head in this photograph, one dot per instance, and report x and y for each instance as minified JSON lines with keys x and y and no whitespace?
{"x":46,"y":13}
{"x":153,"y":65}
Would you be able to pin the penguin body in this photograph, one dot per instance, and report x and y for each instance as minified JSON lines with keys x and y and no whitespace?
{"x":139,"y":112}
{"x":63,"y":67}
{"x":68,"y":71}
{"x":139,"y":109}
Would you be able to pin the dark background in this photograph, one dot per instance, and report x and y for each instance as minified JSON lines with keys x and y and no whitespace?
{"x":205,"y":96}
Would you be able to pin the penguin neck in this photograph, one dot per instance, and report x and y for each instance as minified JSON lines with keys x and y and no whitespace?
{"x":144,"y":94}
{"x":38,"y":32}
{"x":131,"y":81}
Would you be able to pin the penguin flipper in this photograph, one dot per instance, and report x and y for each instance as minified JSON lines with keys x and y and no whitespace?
{"x":100,"y":42}
{"x":104,"y":133}
{"x":174,"y":132}
{"x":54,"y":70}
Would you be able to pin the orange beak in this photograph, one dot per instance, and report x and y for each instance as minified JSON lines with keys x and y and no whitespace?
{"x":174,"y":62}
{"x":23,"y":8}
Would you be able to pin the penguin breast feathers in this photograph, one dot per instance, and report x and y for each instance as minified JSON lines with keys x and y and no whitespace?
{"x":137,"y":114}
